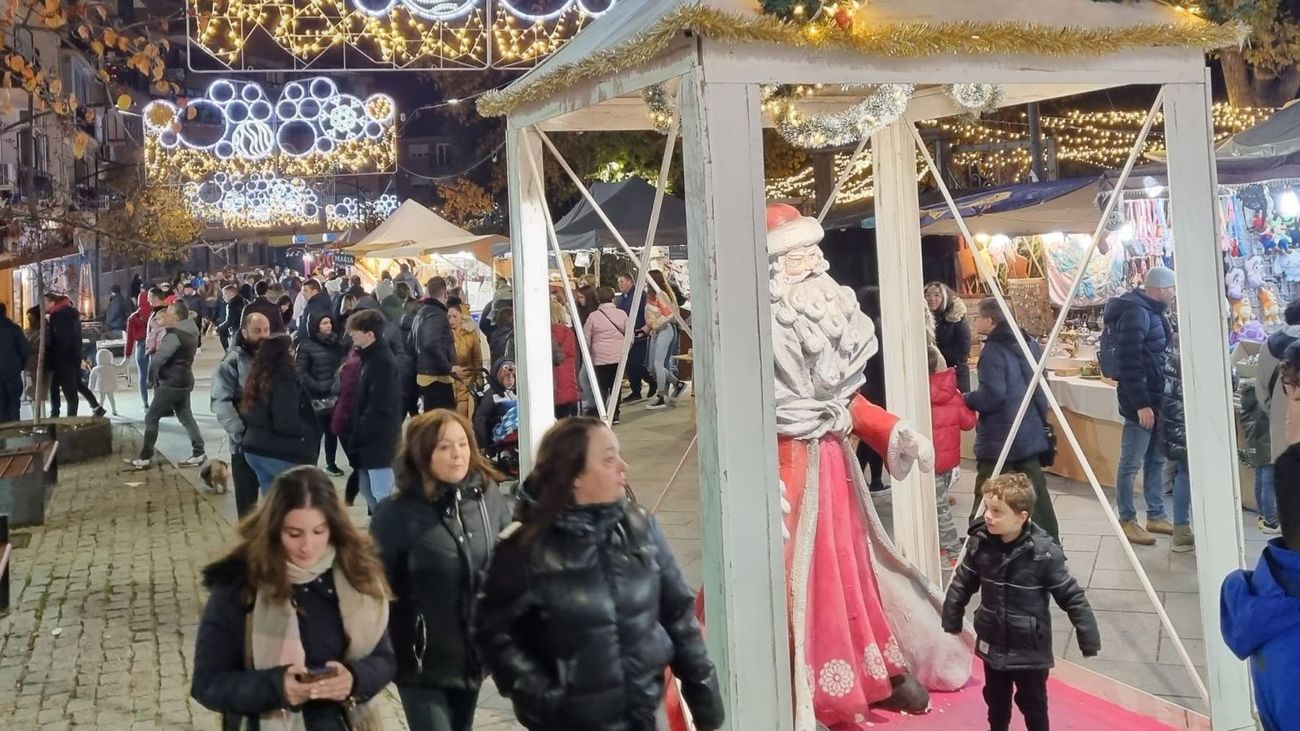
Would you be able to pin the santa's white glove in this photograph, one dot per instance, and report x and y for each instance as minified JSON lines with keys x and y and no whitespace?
{"x":908,"y":447}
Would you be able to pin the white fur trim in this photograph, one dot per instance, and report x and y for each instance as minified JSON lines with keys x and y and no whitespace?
{"x":795,"y":234}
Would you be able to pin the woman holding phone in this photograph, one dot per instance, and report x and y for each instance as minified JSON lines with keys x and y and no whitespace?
{"x":295,"y":631}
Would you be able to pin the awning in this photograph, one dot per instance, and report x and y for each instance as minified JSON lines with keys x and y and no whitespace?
{"x":413,"y":230}
{"x":1066,"y":206}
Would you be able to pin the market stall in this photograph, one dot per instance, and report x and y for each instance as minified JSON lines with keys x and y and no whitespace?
{"x":431,"y":246}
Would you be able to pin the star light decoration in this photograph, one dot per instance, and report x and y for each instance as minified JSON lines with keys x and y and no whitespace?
{"x":387,"y":34}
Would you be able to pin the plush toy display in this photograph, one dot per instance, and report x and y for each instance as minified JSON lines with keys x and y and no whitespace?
{"x":1255,"y":271}
{"x":1268,"y":305}
{"x":1236,"y":283}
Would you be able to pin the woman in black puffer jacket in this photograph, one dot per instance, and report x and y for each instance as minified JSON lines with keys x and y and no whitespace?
{"x":584,"y":605}
{"x":280,"y":426}
{"x":320,"y":354}
{"x":436,"y":536}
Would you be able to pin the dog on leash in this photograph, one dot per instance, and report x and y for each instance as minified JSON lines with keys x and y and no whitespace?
{"x":216,"y":475}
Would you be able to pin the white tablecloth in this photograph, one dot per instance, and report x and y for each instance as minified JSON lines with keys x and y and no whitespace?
{"x":1089,"y":398}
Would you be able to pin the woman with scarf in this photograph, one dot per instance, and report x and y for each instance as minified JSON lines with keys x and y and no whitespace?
{"x":584,"y":606}
{"x":436,"y":536}
{"x":294,"y":634}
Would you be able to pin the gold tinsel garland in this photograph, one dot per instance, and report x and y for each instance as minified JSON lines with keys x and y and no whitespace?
{"x":896,"y":40}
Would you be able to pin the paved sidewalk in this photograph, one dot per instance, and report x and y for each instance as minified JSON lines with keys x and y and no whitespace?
{"x":116,"y":570}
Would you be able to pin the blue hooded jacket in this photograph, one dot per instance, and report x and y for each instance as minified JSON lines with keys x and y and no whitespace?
{"x":1261,"y":621}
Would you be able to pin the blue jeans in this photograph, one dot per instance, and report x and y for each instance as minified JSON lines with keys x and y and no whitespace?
{"x":142,"y":366}
{"x":267,"y":469}
{"x":1265,"y":497}
{"x":1182,"y":493}
{"x":661,"y":354}
{"x":1139,"y":450}
{"x":376,"y":485}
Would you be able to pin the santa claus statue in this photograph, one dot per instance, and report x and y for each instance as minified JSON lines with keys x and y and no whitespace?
{"x":864,"y":624}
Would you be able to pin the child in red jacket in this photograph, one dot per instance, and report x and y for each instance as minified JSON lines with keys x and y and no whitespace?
{"x":950,"y":416}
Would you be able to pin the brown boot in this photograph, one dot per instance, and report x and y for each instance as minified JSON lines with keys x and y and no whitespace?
{"x":1183,"y":541}
{"x":1160,"y":527}
{"x":1136,"y":534}
{"x":909,"y":695}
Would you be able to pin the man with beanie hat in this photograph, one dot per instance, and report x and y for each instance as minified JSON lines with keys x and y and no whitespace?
{"x":1138,"y":330}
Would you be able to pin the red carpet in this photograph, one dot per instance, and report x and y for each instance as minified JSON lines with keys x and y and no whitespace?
{"x":1071,"y":710}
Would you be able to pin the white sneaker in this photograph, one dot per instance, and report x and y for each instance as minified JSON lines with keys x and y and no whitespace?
{"x":141,"y":464}
{"x":195,"y":461}
{"x":657,"y":403}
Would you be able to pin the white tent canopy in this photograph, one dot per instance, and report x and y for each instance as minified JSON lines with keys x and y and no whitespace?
{"x":413,"y":230}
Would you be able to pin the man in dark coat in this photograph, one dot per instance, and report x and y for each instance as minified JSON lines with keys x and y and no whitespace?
{"x":435,"y":349}
{"x":227,"y":389}
{"x":318,"y":305}
{"x":13,"y":360}
{"x":636,"y":357}
{"x":375,"y":423}
{"x":1016,"y":566}
{"x":1140,"y":330}
{"x":63,"y":353}
{"x":351,"y":286}
{"x":116,"y":312}
{"x":234,"y":314}
{"x":263,"y":305}
{"x":1004,"y":376}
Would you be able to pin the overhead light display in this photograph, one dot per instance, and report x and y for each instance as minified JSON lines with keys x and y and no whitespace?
{"x":350,"y":211}
{"x":258,"y":201}
{"x":336,"y":35}
{"x":235,"y":128}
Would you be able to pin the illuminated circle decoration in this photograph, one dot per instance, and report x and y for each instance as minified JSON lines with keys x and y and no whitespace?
{"x":344,"y":35}
{"x":257,"y":201}
{"x":350,"y":211}
{"x":311,"y":128}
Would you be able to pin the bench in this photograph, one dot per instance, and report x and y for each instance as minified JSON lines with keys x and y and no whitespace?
{"x":6,"y":552}
{"x":26,"y":474}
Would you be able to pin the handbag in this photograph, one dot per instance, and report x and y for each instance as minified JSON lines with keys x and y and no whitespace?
{"x":322,"y":405}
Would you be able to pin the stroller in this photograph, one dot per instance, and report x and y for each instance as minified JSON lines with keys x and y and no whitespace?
{"x":502,"y":450}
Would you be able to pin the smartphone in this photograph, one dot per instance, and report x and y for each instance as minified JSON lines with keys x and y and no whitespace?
{"x":315,"y":674}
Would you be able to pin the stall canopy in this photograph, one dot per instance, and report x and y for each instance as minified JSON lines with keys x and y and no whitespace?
{"x":1276,"y":136}
{"x":1026,"y":209}
{"x":413,"y":230}
{"x":628,"y":205}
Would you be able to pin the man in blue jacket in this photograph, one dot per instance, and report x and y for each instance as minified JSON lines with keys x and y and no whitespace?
{"x":1260,"y":609}
{"x":1140,"y":330}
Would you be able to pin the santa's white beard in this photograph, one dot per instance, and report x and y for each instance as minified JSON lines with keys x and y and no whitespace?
{"x":837,"y":339}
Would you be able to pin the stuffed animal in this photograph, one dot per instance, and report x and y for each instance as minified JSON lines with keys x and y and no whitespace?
{"x":1255,"y":269}
{"x":1253,"y":332}
{"x":1236,"y":281}
{"x":1242,"y":313}
{"x":1288,"y":265}
{"x":1268,"y":304}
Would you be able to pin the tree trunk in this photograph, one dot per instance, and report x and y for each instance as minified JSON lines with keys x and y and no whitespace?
{"x":1246,"y":88}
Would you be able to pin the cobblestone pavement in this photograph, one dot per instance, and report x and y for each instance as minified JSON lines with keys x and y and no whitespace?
{"x":106,"y":600}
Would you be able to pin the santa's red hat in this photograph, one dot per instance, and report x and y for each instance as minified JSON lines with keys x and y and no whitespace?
{"x":788,"y":229}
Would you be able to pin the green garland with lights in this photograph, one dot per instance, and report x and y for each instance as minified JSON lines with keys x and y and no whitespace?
{"x":793,"y":10}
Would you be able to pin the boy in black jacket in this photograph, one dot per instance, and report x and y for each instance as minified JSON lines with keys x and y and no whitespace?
{"x":1016,"y":565}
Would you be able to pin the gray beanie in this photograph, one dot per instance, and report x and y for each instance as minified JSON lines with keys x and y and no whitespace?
{"x":1160,"y":278}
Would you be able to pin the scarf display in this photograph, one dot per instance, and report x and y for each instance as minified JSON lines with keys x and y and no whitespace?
{"x":276,"y":642}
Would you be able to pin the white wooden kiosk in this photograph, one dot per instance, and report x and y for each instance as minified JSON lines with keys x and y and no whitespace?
{"x":718,"y":54}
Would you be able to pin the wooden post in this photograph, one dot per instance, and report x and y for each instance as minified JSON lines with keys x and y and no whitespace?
{"x":903,"y":342}
{"x":1211,"y":438}
{"x":532,"y":299}
{"x":744,"y":575}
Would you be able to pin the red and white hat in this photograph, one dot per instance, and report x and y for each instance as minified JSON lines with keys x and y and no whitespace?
{"x":787,"y":229}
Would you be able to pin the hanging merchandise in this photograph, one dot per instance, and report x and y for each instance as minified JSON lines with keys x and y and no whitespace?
{"x":1255,"y":271}
{"x":1236,"y":284}
{"x":1255,"y":198}
{"x":1270,"y":311}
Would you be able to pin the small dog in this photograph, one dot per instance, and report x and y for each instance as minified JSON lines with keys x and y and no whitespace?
{"x":216,"y":475}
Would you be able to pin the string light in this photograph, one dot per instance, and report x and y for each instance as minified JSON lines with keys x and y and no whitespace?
{"x":259,"y":201}
{"x":312,"y":129}
{"x":393,"y":34}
